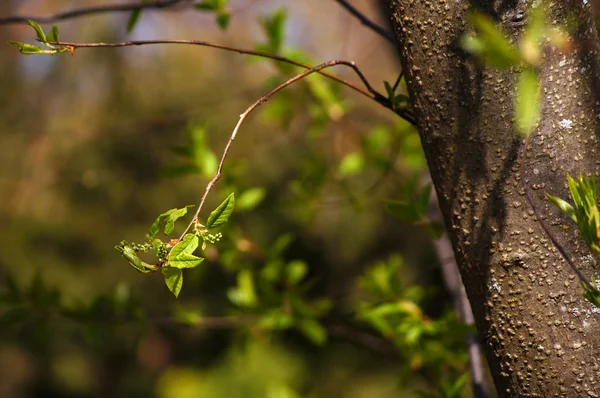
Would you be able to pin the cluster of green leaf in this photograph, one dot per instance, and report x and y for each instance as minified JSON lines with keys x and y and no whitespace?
{"x":45,"y":39}
{"x":586,"y":215}
{"x":396,"y":312}
{"x":491,"y":45}
{"x":398,"y":100}
{"x":585,"y":212}
{"x":176,"y":255}
{"x":415,"y":210}
{"x":276,"y":294}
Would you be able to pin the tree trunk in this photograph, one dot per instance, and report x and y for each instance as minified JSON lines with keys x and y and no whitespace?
{"x":541,"y":338}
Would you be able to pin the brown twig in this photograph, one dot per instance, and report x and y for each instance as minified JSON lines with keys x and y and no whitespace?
{"x":367,"y":22}
{"x":80,"y":12}
{"x":370,"y":92}
{"x":252,"y":107}
{"x":545,"y":227}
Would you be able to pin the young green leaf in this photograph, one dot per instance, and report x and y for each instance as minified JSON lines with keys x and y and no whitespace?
{"x":527,"y":103}
{"x":295,"y":271}
{"x":244,"y":294}
{"x":53,"y":34}
{"x":273,"y":25}
{"x":434,"y":229}
{"x":585,"y":211}
{"x":490,"y":43}
{"x":351,"y":164}
{"x":223,"y":18}
{"x":313,"y":331}
{"x":221,"y":214}
{"x":38,"y":30}
{"x":168,"y":218}
{"x":173,"y":279}
{"x":28,"y":49}
{"x":129,"y":253}
{"x":403,"y":211}
{"x":134,"y":18}
{"x":388,"y":89}
{"x":422,"y":202}
{"x":564,"y":206}
{"x":590,"y":294}
{"x":181,"y":255}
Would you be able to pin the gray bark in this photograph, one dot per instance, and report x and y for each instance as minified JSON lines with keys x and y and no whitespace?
{"x":541,"y":338}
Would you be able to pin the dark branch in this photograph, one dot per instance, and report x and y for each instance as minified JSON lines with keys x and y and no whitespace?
{"x":367,"y":22}
{"x":81,"y":12}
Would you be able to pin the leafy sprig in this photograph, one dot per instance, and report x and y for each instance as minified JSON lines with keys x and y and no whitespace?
{"x":46,"y":39}
{"x":174,"y":256}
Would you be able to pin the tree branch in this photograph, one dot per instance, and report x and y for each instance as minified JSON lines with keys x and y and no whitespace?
{"x":367,"y":22}
{"x":370,"y":92}
{"x":80,"y":12}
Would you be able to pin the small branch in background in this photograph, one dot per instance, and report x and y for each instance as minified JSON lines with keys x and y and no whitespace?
{"x":80,"y":12}
{"x":453,"y":282}
{"x":367,"y":22}
{"x":545,"y":227}
{"x":370,"y":92}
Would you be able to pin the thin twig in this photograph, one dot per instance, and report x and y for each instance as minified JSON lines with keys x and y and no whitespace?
{"x":398,"y":80}
{"x":80,"y":12}
{"x":370,"y":92}
{"x":545,"y":227}
{"x":367,"y":22}
{"x":243,"y":117}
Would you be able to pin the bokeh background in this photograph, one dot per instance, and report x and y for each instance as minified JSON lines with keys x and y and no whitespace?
{"x":96,"y":145}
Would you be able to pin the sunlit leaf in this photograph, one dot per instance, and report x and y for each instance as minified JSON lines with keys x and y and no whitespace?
{"x":28,"y":49}
{"x":41,"y":36}
{"x":313,"y":331}
{"x":221,"y":214}
{"x":53,"y":34}
{"x":181,"y":255}
{"x":173,"y":279}
{"x":295,"y":271}
{"x":167,"y":218}
{"x":564,"y":206}
{"x":403,"y":211}
{"x":244,"y":294}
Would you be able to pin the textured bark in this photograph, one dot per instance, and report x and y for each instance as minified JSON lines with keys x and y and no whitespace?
{"x":541,"y":338}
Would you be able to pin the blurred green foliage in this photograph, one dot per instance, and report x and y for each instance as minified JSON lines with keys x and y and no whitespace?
{"x":309,"y":290}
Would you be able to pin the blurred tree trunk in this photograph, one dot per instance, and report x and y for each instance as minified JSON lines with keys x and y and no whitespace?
{"x":541,"y":337}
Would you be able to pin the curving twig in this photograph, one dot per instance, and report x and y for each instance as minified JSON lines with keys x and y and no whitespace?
{"x":80,"y":12}
{"x":367,"y":22}
{"x":243,"y":117}
{"x":370,"y":92}
{"x":545,"y":227}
